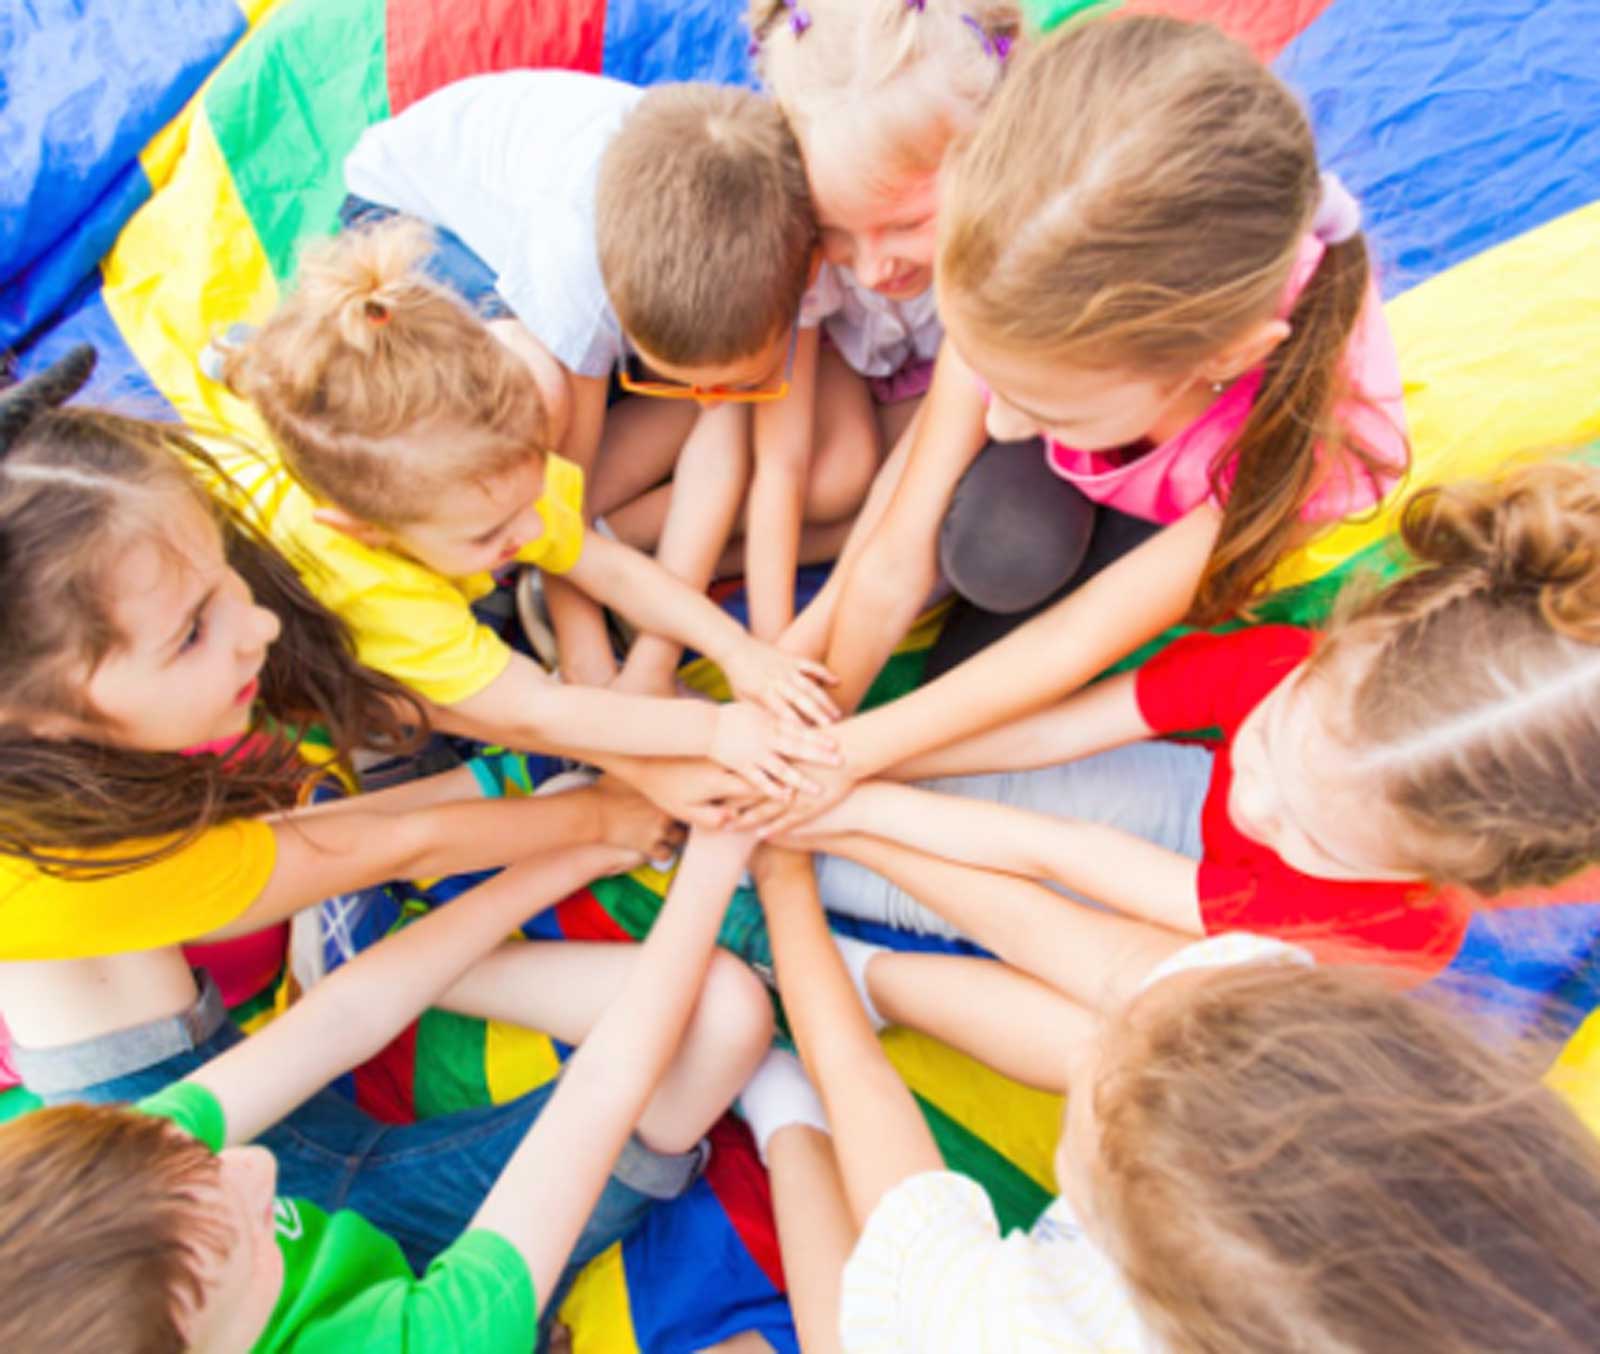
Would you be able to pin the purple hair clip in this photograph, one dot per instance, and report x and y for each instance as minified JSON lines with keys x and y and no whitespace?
{"x":997,"y":45}
{"x":919,"y":5}
{"x":799,"y":17}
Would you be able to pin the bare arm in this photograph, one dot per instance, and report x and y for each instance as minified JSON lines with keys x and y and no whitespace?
{"x":1093,"y":860}
{"x":896,"y":568}
{"x":356,"y":1011}
{"x":1105,"y":715}
{"x":879,"y":1135}
{"x":1096,"y":958}
{"x":548,"y":1188}
{"x":783,"y":444}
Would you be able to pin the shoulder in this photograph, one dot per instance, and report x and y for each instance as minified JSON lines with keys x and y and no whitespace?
{"x":1205,"y":679}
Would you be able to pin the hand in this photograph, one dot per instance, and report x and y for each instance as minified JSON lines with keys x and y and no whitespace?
{"x":832,"y":783}
{"x":693,"y":790}
{"x":628,"y":819}
{"x":759,"y":748}
{"x":772,"y":862}
{"x":785,"y":685}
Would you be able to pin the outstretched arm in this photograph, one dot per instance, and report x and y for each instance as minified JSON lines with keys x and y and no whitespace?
{"x":550,"y":1185}
{"x":879,"y":1134}
{"x":348,"y":1017}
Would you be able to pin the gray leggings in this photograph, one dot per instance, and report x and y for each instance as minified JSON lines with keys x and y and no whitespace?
{"x":1151,"y":789}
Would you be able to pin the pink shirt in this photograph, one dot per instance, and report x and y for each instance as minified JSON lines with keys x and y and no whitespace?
{"x":1164,"y":483}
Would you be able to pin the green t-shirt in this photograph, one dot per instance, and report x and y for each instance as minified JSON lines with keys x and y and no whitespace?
{"x":347,"y":1286}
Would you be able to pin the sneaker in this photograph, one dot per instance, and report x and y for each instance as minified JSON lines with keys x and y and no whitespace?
{"x":534,"y":613}
{"x":214,"y":355}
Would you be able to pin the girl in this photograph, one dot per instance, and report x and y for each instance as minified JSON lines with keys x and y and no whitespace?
{"x":124,"y":1235}
{"x":416,"y":461}
{"x":149,"y":712}
{"x":1256,"y":1155}
{"x":1139,"y":260}
{"x":1436,"y":741}
{"x":876,"y":91}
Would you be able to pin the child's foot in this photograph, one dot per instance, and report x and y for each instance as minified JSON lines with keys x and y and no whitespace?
{"x":778,"y":1094}
{"x":214,"y":356}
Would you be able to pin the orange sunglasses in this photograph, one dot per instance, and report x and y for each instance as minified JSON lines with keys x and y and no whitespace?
{"x":672,"y":390}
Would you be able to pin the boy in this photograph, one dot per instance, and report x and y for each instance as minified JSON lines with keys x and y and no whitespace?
{"x":664,"y":239}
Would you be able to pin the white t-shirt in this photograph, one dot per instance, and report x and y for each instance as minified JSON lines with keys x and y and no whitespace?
{"x":509,"y":163}
{"x":932,"y":1273}
{"x":874,"y":335}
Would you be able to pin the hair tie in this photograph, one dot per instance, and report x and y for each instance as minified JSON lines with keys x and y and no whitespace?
{"x":376,"y":312}
{"x":48,"y":389}
{"x":919,"y":5}
{"x":997,"y":45}
{"x":1338,"y":215}
{"x":799,"y":18}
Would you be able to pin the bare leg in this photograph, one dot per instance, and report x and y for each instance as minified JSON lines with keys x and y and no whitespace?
{"x":815,"y":1230}
{"x":563,"y":987}
{"x":1005,"y":1019}
{"x":638,"y":449}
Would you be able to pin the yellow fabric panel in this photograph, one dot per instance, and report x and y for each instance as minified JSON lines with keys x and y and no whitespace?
{"x":1576,"y":1073}
{"x":1021,"y":1124}
{"x":1500,"y":355}
{"x":515,"y":1060}
{"x":170,"y":284}
{"x":597,"y":1308}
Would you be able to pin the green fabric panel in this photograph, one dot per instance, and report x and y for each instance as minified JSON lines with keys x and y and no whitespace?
{"x":1017,"y":1197}
{"x":1043,"y":15}
{"x":16,"y":1102}
{"x":451,"y":1069}
{"x":902,"y":673}
{"x":288,"y":108}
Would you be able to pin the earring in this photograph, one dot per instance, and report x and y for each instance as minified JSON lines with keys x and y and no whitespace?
{"x":1217,"y":387}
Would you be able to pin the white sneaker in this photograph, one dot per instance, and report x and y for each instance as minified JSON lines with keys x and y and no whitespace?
{"x":534,"y":614}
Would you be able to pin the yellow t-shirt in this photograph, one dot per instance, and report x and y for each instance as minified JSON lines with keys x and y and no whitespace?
{"x":179,"y":898}
{"x":407,"y":621}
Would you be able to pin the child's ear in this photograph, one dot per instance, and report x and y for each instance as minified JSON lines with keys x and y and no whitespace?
{"x":1246,"y":352}
{"x":353,"y":527}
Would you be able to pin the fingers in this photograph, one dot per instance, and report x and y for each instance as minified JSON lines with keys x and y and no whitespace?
{"x":757,"y":814}
{"x":759,"y":776}
{"x":799,"y":744}
{"x":803,"y":699}
{"x":817,"y":671}
{"x":788,"y":775}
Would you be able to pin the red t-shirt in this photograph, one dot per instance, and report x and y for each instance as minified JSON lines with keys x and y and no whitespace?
{"x":1214,"y":681}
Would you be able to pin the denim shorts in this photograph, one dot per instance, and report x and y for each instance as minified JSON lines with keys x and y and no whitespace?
{"x":451,"y":262}
{"x":420,"y":1183}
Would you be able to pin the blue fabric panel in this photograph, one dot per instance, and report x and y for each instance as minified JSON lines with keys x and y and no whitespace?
{"x":1533,"y":970}
{"x":649,"y":43}
{"x":1460,"y":125}
{"x":119,"y":381}
{"x":32,"y":298}
{"x":84,"y":85}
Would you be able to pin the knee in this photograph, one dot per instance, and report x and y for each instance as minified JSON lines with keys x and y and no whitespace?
{"x":734,"y":1012}
{"x":841,"y":474}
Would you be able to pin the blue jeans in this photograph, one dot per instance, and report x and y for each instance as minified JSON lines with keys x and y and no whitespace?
{"x":420,"y":1183}
{"x":451,"y":261}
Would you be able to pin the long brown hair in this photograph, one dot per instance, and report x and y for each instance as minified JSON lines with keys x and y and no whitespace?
{"x":1136,"y":197}
{"x":1308,"y":1160}
{"x":104,"y":1215}
{"x":1475,"y":679}
{"x":382,"y":387}
{"x":77,"y":486}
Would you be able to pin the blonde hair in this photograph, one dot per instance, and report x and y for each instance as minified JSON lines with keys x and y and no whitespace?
{"x":105,"y":1214}
{"x":1476,"y":679}
{"x":1137,"y":197}
{"x":703,"y":224}
{"x":380,"y":386}
{"x":1310,"y":1160}
{"x":887,"y":84}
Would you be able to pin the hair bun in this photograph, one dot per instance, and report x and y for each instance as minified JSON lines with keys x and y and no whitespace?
{"x":1538,"y":529}
{"x":48,"y":389}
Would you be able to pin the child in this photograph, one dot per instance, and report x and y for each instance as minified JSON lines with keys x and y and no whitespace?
{"x":876,"y":91}
{"x":1256,"y":1155}
{"x":122,"y":1230}
{"x":664,"y":237}
{"x":1140,"y":260}
{"x":416,"y":445}
{"x":1432,"y":743}
{"x":131,"y":822}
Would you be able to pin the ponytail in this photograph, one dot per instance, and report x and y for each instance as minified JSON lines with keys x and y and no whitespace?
{"x":367,"y":349}
{"x":1475,"y":681}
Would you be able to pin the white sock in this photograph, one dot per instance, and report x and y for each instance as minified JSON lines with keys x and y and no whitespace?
{"x":857,"y":955}
{"x":779,"y":1094}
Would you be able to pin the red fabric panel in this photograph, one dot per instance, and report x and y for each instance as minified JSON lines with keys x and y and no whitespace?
{"x":1268,"y":26}
{"x":738,"y":1179}
{"x":385,"y":1084}
{"x":581,"y":917}
{"x":432,"y":42}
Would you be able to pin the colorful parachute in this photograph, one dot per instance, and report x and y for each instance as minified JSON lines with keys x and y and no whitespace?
{"x":161,"y":162}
